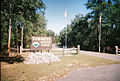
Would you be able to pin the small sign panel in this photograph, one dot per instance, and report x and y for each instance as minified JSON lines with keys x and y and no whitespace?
{"x":35,"y":44}
{"x":38,"y":43}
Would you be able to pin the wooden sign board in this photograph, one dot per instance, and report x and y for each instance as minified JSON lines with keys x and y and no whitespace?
{"x":40,"y":43}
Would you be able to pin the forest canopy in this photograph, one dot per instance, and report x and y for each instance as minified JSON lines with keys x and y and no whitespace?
{"x":84,"y":30}
{"x":26,"y":13}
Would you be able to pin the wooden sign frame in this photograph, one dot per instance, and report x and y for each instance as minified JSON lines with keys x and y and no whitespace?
{"x":41,"y":43}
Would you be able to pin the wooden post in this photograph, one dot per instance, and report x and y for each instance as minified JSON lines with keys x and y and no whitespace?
{"x":9,"y":38}
{"x":78,"y":49}
{"x":21,"y":49}
{"x":41,"y":50}
{"x":48,"y":50}
{"x":63,"y":50}
{"x":104,"y":50}
{"x":116,"y":49}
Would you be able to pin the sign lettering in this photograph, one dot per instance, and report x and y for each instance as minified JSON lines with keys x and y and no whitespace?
{"x":38,"y":43}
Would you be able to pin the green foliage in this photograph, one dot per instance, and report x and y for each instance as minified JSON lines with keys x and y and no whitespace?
{"x":85,"y":30}
{"x":50,"y":33}
{"x":29,"y":12}
{"x":56,"y":39}
{"x":110,"y":20}
{"x":76,"y":32}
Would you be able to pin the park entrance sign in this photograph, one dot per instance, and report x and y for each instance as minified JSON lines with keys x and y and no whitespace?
{"x":41,"y":43}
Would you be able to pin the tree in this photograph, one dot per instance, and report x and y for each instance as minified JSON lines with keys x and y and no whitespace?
{"x":56,"y":39}
{"x":84,"y":30}
{"x":36,"y":29}
{"x":76,"y":32}
{"x":110,"y":20}
{"x":24,"y":11}
{"x":50,"y":33}
{"x":62,"y":37}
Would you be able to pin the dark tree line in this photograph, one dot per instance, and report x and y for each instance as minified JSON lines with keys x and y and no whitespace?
{"x":84,"y":30}
{"x":30,"y":14}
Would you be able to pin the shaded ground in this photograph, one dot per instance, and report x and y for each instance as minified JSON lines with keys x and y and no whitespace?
{"x":11,"y":60}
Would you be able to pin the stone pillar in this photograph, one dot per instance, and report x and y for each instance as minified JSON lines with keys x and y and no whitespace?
{"x":21,"y":49}
{"x":78,"y":49}
{"x":116,"y":49}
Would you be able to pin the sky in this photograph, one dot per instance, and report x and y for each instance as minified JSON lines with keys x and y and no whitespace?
{"x":55,"y":10}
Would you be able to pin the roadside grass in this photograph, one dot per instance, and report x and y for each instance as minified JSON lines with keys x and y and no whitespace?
{"x":118,"y":54}
{"x":56,"y":50}
{"x":50,"y":72}
{"x":58,"y":54}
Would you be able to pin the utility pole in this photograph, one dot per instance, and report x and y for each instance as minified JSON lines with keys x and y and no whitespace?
{"x":66,"y":39}
{"x":66,"y":28}
{"x":9,"y":38}
{"x":100,"y":32}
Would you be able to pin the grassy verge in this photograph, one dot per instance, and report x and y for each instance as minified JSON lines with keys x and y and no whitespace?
{"x":56,"y":50}
{"x":33,"y":72}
